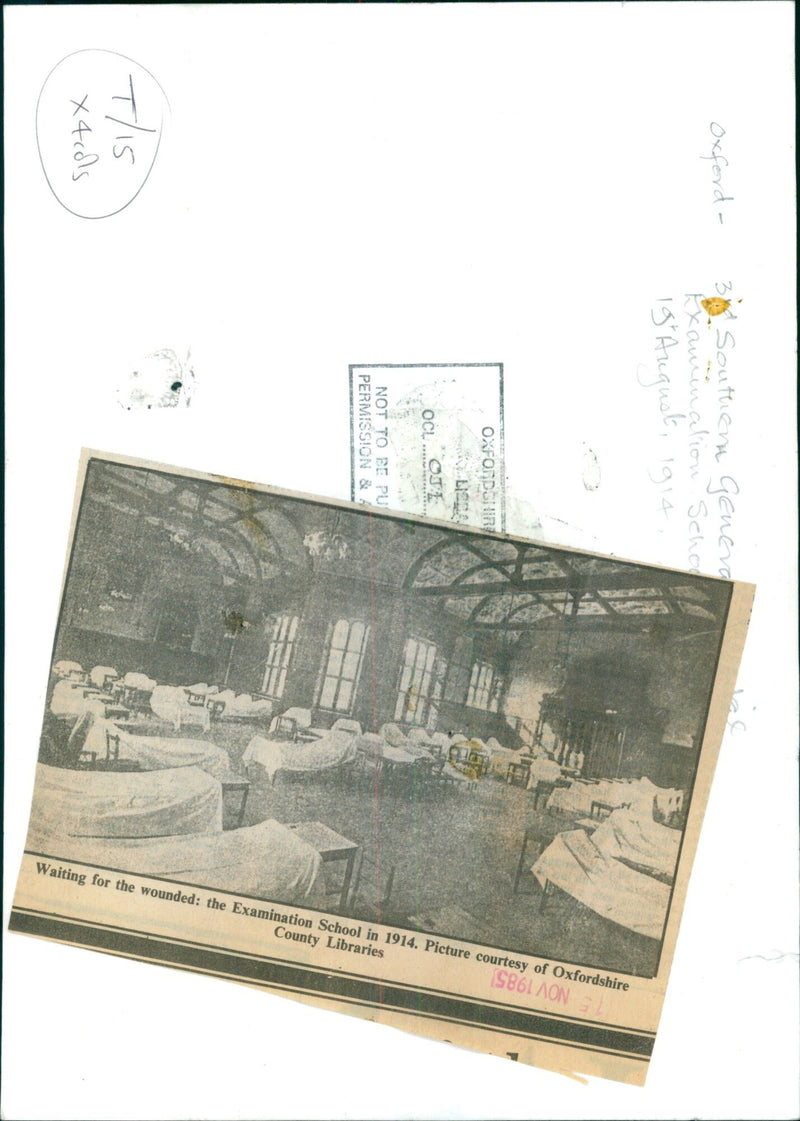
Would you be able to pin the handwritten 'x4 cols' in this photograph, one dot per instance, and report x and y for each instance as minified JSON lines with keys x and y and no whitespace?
{"x":98,"y":123}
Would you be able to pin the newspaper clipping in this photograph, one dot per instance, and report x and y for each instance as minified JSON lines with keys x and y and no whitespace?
{"x":436,"y":776}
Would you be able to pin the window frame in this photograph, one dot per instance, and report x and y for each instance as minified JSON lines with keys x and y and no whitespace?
{"x":279,"y":654}
{"x":484,"y":687}
{"x":428,"y":672}
{"x":342,"y":699}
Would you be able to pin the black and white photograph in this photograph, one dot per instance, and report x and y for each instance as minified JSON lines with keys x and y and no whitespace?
{"x":461,"y":734}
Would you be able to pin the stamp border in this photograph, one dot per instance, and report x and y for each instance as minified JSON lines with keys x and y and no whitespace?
{"x":432,"y":366}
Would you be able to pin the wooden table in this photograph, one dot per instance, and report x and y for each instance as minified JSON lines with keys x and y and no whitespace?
{"x":532,"y":836}
{"x":330,"y":846}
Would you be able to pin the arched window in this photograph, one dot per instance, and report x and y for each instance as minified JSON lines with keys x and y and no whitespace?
{"x":420,"y":685}
{"x":484,"y":687}
{"x":342,"y":665}
{"x":279,"y":654}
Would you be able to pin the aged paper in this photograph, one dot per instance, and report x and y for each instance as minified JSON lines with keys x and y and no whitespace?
{"x":282,"y":195}
{"x":444,"y":779}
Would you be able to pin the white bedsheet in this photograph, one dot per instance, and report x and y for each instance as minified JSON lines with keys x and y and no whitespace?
{"x":267,"y":861}
{"x":371,"y":744}
{"x":239,"y":706}
{"x":394,"y":735}
{"x":133,"y":680}
{"x":331,"y":750}
{"x":667,"y":799}
{"x":641,"y":794}
{"x":625,"y":835}
{"x":159,"y":753}
{"x":543,"y":770}
{"x":416,"y":750}
{"x":64,"y":668}
{"x":301,"y":717}
{"x":405,"y":751}
{"x":245,"y":707}
{"x":441,"y":741}
{"x":70,"y":699}
{"x":98,"y":675}
{"x":171,"y":704}
{"x":422,"y":738}
{"x":500,"y":759}
{"x":125,"y":804}
{"x":636,"y":901}
{"x":344,"y":725}
{"x":398,"y":756}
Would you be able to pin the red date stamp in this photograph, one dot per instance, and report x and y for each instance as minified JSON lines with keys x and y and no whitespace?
{"x":551,"y":991}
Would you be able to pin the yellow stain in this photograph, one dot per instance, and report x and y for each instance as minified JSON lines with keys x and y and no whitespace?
{"x":715,"y":305}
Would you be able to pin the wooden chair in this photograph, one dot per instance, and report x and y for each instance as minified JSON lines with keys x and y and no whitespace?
{"x":518,"y":774}
{"x":424,"y":771}
{"x":465,"y":759}
{"x":458,"y":754}
{"x":542,"y":790}
{"x":436,"y":768}
{"x":478,"y":761}
{"x":136,"y":699}
{"x":285,"y":729}
{"x":112,"y":746}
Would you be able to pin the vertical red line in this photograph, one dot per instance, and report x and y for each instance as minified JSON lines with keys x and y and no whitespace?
{"x":376,"y":810}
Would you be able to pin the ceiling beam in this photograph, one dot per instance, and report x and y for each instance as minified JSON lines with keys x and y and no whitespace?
{"x":614,"y":581}
{"x":684,"y":624}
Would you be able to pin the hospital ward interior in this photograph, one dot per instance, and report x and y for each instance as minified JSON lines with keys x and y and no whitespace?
{"x":361,"y":714}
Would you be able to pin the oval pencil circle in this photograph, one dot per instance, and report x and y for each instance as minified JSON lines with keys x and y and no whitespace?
{"x":99,"y":123}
